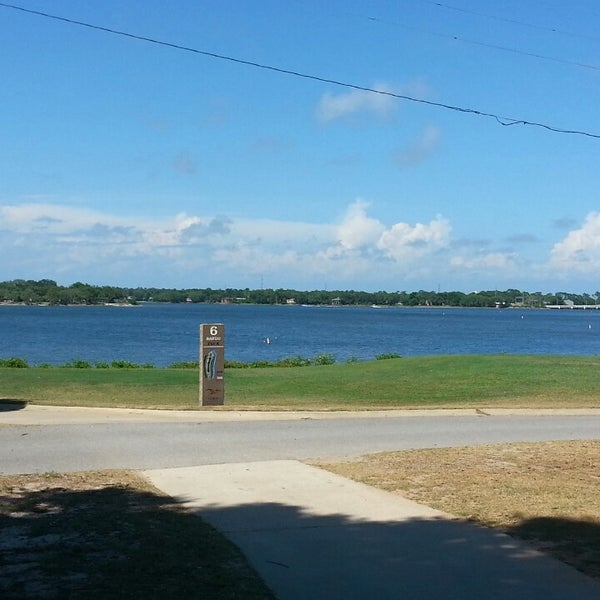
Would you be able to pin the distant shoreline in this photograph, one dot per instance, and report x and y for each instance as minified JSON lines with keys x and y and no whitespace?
{"x":554,"y":307}
{"x":108,"y":304}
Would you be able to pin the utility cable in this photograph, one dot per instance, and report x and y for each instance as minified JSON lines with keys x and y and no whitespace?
{"x":505,"y":121}
{"x":508,"y":20}
{"x":472,"y":42}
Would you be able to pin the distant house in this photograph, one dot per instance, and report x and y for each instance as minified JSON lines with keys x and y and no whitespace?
{"x":336,"y":301}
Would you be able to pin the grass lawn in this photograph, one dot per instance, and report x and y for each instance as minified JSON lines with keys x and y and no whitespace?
{"x":430,"y":382}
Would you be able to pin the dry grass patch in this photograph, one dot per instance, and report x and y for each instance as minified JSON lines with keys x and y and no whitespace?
{"x":110,"y":534}
{"x":547,"y":493}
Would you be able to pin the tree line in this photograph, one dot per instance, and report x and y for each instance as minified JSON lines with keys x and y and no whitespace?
{"x":47,"y":291}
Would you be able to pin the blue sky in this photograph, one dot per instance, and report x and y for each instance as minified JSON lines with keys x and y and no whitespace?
{"x":130,"y":163}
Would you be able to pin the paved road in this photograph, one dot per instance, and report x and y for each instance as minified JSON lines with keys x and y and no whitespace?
{"x":194,"y":439}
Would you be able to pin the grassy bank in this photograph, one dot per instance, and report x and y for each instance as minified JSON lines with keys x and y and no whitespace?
{"x":436,"y":382}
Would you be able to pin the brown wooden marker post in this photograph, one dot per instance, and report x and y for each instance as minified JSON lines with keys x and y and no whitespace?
{"x":212,"y":364}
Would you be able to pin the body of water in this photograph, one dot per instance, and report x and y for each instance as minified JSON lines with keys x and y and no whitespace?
{"x":161,"y":334}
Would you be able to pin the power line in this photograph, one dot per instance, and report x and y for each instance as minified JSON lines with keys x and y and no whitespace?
{"x":508,"y":20}
{"x":505,"y":121}
{"x":463,"y":40}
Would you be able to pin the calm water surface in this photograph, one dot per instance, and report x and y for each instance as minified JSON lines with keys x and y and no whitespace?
{"x":161,"y":334}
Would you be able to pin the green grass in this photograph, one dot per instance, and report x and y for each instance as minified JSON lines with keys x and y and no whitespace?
{"x":142,"y":388}
{"x":438,"y":381}
{"x":444,"y":381}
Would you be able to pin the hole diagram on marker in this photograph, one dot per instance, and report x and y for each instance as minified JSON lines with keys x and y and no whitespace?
{"x":210,"y":364}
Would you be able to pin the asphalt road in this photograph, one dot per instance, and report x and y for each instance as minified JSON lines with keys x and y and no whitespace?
{"x":65,"y":447}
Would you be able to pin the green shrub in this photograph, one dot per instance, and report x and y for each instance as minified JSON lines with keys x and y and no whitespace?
{"x":78,"y":364}
{"x":352,"y":359}
{"x":387,"y":355}
{"x":260,"y":364}
{"x":290,"y":361}
{"x":123,"y":364}
{"x":184,"y":365}
{"x":14,"y":363}
{"x":101,"y":365}
{"x":236,"y":364}
{"x":324,"y":359}
{"x":294,"y":361}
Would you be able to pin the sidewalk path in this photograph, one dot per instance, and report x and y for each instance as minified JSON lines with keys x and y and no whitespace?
{"x":313,"y":534}
{"x":14,"y":413}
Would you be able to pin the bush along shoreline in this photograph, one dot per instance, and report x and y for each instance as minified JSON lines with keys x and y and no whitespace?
{"x":292,"y":361}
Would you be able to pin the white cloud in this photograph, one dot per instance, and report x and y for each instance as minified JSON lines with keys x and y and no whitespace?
{"x":56,"y":224}
{"x":580,"y":249}
{"x":65,"y":239}
{"x":382,"y":105}
{"x":336,"y":106}
{"x":50,"y":218}
{"x":357,"y":229}
{"x":404,"y":242}
{"x":45,"y":240}
{"x":366,"y":240}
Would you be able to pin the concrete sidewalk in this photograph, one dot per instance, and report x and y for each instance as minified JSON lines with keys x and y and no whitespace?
{"x":311,"y":534}
{"x":21,"y":413}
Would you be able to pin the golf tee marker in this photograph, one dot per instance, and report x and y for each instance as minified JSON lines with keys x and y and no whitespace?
{"x":212,"y":364}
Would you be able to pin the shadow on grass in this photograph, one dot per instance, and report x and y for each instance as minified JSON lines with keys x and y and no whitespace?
{"x":574,"y":541}
{"x":113,"y":542}
{"x":8,"y":404}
